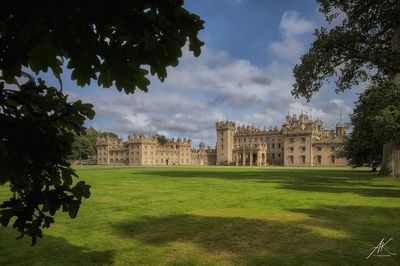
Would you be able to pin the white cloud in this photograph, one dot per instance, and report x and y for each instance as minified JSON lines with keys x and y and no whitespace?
{"x":292,"y":24}
{"x":289,"y":48}
{"x":200,"y":91}
{"x":292,"y":27}
{"x":234,"y":2}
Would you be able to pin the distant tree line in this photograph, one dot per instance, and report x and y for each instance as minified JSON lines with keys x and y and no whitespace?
{"x":85,"y":145}
{"x":375,"y":121}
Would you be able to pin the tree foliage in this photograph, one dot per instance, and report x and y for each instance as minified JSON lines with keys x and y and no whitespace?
{"x":113,"y":42}
{"x":161,"y":139}
{"x":362,"y":43}
{"x":116,"y":43}
{"x":376,"y":120}
{"x":38,"y":126}
{"x":357,"y":49}
{"x":84,"y":145}
{"x":82,"y":148}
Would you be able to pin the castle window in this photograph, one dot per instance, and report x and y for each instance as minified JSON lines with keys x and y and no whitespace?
{"x":291,"y":149}
{"x":222,"y":146}
{"x":279,"y":155}
{"x":319,"y":148}
{"x":291,"y":140}
{"x":332,"y":148}
{"x":222,"y":133}
{"x":319,"y":159}
{"x":303,"y":140}
{"x":291,"y":159}
{"x":333,"y":159}
{"x":303,"y":149}
{"x":273,"y":156}
{"x":273,"y":145}
{"x":279,"y":145}
{"x":303,"y":159}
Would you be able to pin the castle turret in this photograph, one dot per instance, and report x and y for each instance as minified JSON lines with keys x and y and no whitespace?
{"x":202,"y":146}
{"x":225,"y":132}
{"x":102,"y":147}
{"x":340,"y":127}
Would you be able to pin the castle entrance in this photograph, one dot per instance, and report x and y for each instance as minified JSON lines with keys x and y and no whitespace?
{"x":254,"y":161}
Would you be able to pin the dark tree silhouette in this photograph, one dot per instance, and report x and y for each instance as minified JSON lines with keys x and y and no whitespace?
{"x":364,"y":45}
{"x":116,"y":43}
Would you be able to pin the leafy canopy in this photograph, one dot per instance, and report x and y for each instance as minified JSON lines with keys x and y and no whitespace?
{"x":38,"y":126}
{"x":116,"y":43}
{"x":84,"y":145}
{"x":113,"y":42}
{"x":376,"y":120}
{"x":357,"y":46}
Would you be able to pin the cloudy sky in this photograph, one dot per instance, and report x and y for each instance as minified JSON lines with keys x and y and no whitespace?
{"x":243,"y":74}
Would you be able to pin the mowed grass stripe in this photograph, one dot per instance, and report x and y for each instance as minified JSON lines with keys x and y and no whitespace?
{"x":220,"y":216}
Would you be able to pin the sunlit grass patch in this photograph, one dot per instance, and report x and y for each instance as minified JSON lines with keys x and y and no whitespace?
{"x":220,"y":216}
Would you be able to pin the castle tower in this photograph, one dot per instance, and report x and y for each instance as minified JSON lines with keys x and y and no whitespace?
{"x":202,"y":146}
{"x":225,"y":132}
{"x":340,"y":127}
{"x":102,"y":147}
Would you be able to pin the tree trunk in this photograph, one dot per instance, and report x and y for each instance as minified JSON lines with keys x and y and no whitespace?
{"x":391,"y":152}
{"x":390,"y":160}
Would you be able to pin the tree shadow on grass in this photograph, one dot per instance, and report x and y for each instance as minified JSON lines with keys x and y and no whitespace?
{"x":319,"y":239}
{"x":49,"y":250}
{"x":258,"y":173}
{"x":311,"y":180}
{"x":363,"y":191}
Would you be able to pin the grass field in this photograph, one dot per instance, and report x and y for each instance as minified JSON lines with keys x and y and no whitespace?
{"x":220,"y":216}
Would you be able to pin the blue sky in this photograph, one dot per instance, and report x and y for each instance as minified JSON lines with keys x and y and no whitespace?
{"x":244,"y":74}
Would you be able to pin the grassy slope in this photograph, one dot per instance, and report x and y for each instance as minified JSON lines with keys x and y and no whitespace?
{"x":220,"y":216}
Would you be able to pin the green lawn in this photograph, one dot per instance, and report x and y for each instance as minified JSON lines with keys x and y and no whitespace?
{"x":220,"y":216}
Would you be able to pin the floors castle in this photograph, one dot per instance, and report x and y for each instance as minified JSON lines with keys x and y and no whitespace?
{"x":300,"y":142}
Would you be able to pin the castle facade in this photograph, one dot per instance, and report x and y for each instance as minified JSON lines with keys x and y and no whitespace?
{"x":300,"y":142}
{"x":142,"y":150}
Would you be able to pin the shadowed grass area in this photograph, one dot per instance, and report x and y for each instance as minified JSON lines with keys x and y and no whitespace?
{"x":220,"y":216}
